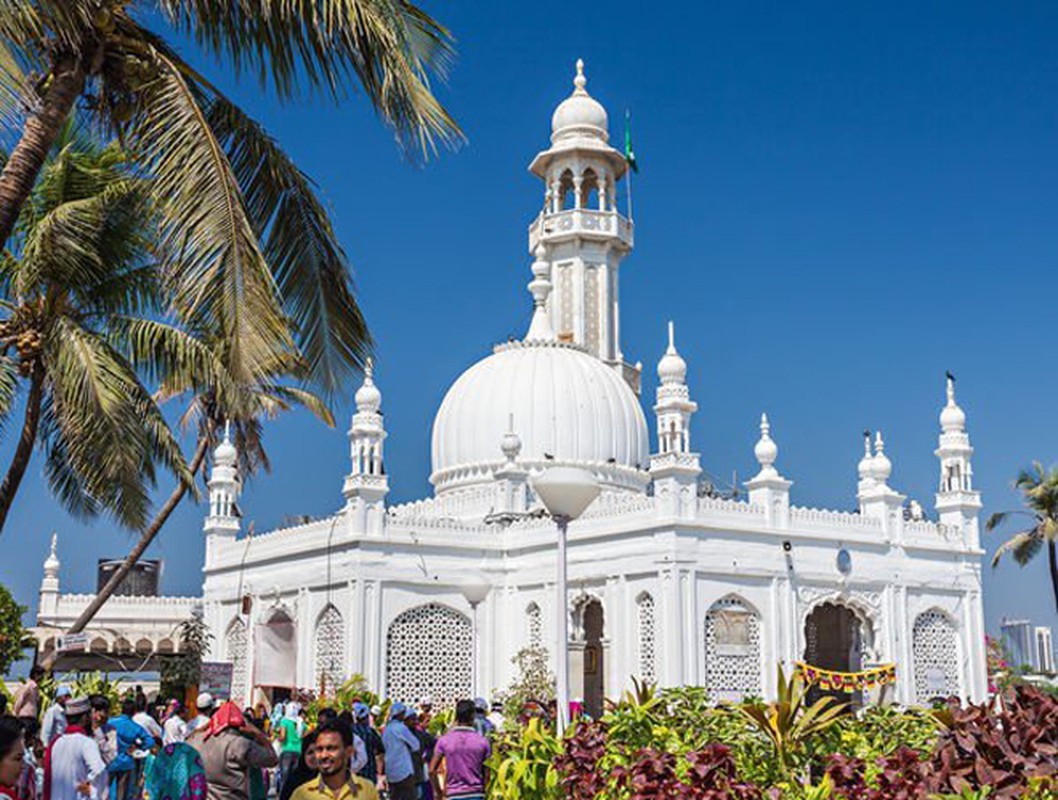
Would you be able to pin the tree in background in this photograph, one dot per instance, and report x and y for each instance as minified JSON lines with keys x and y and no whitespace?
{"x":1039,"y":491}
{"x":179,"y":673}
{"x":79,"y":271}
{"x":14,"y":639}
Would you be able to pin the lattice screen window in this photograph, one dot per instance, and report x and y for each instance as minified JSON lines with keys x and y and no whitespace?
{"x":534,"y":626}
{"x":732,"y":651}
{"x":235,"y":649}
{"x":935,"y":651}
{"x":428,"y":653}
{"x":647,"y":638}
{"x":330,"y":649}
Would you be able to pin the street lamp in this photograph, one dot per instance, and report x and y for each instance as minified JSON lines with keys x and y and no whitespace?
{"x":475,"y":589}
{"x":565,"y":492}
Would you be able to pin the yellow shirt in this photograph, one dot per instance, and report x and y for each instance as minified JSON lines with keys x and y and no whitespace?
{"x":356,"y":787}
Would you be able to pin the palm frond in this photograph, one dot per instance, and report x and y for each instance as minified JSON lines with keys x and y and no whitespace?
{"x":214,"y":263}
{"x":390,"y":47}
{"x":1022,"y":546}
{"x":309,"y":265}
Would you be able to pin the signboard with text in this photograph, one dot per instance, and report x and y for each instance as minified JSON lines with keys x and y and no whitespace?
{"x":215,"y":678}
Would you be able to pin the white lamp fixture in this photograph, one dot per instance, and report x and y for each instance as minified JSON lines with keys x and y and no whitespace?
{"x":566,"y":493}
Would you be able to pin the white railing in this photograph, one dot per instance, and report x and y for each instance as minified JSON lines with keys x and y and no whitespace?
{"x":581,"y":220}
{"x":822,"y":518}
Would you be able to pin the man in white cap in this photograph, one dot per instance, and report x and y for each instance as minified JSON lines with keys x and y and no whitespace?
{"x":73,"y":766}
{"x":55,"y":717}
{"x":204,"y":704}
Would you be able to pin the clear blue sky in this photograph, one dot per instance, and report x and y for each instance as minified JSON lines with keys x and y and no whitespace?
{"x":837,"y":202}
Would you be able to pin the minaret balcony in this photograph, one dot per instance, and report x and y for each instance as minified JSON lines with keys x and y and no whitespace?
{"x":581,"y":223}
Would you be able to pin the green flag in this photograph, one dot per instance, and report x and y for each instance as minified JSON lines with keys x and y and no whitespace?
{"x":630,"y":154}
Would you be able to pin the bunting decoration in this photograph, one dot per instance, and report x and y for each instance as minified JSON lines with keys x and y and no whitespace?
{"x":847,"y":681}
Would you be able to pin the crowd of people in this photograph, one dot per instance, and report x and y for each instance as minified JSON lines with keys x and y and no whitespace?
{"x":80,"y":749}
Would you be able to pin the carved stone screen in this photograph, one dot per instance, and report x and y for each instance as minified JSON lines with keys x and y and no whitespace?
{"x":732,"y":651}
{"x":647,"y":638}
{"x":235,"y":651}
{"x":934,"y":647}
{"x":330,"y":649}
{"x":428,"y":653}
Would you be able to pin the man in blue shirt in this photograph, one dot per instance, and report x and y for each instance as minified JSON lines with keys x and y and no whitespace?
{"x":130,"y":737}
{"x":400,"y":743}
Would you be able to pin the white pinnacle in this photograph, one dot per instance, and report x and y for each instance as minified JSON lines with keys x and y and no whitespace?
{"x":766,"y":450}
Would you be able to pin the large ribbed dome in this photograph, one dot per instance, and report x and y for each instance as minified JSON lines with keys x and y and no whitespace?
{"x":560,"y":400}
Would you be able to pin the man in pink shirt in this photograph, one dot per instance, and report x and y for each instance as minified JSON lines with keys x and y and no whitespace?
{"x":464,"y":752}
{"x":27,"y":698}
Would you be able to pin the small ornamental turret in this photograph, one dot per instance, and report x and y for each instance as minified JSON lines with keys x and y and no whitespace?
{"x":366,"y":485}
{"x":876,"y":498}
{"x":768,"y":488}
{"x":512,"y":479}
{"x":958,"y":504}
{"x":674,"y":469}
{"x":224,"y":490}
{"x":49,"y":586}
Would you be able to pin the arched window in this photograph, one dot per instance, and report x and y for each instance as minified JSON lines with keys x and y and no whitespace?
{"x":428,"y":653}
{"x":235,"y":650}
{"x":935,"y":652}
{"x":732,"y":650}
{"x":647,"y":638}
{"x":533,"y":625}
{"x":330,"y":649}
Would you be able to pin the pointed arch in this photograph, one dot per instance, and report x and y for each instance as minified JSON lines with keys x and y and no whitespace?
{"x":428,"y":653}
{"x":534,"y":625}
{"x":732,"y":649}
{"x":235,"y":650}
{"x":646,"y":623}
{"x":935,"y":654}
{"x":329,"y":648}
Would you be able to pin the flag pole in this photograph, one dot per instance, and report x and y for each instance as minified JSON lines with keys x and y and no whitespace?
{"x":628,"y":192}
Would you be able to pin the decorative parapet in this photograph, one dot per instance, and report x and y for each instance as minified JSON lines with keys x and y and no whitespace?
{"x":831,"y":520}
{"x":924,"y":532}
{"x":610,"y":504}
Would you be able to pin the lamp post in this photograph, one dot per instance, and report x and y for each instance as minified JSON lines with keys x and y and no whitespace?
{"x":475,"y":589}
{"x":565,"y":492}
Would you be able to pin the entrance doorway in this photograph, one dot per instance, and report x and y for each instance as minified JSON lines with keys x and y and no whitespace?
{"x":594,"y":685}
{"x":834,"y":641}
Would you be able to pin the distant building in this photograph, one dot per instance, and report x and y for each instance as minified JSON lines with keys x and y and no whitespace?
{"x":1019,"y":641}
{"x":142,"y":580}
{"x":1044,"y":649}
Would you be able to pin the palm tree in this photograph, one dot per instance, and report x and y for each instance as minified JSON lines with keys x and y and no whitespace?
{"x":79,"y":271}
{"x":248,"y":242}
{"x":1039,"y":489}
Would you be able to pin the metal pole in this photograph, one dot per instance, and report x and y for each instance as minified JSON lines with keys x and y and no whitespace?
{"x":562,"y":632}
{"x":474,"y":651}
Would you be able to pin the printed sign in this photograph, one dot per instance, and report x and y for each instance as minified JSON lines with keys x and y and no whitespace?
{"x":215,"y":678}
{"x":72,"y":641}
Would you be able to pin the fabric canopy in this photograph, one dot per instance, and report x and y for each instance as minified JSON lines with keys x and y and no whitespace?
{"x":275,"y":654}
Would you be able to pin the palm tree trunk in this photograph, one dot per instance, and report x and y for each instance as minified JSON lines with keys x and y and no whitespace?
{"x":1054,"y":570}
{"x":26,"y":440}
{"x":134,"y":555}
{"x":38,"y":135}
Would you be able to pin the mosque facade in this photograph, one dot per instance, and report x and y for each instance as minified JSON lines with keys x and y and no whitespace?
{"x":669,"y":580}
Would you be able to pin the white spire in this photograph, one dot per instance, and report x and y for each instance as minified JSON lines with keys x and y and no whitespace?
{"x":866,"y":464}
{"x":882,"y":467}
{"x":952,"y":417}
{"x":672,"y":369}
{"x":766,"y":450}
{"x":580,"y":81}
{"x":510,"y":444}
{"x":368,"y":396}
{"x":225,"y":455}
{"x":52,"y":563}
{"x":540,"y":329}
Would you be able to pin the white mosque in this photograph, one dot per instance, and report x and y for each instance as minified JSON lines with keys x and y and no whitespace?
{"x":669,"y":580}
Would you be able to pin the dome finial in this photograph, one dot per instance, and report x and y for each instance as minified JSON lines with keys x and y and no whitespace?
{"x":766,"y":450}
{"x":580,"y":81}
{"x":51,"y":563}
{"x":882,"y":466}
{"x":368,"y":398}
{"x":511,"y":444}
{"x":952,"y":418}
{"x":540,"y":329}
{"x":867,"y":462}
{"x":672,"y":368}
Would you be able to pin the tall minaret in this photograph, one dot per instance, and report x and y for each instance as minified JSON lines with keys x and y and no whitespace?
{"x":366,"y":485}
{"x":223,"y":520}
{"x":674,"y":469}
{"x":49,"y":586}
{"x":958,"y":504}
{"x":584,"y":235}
